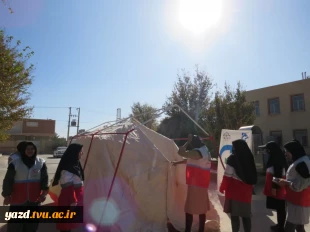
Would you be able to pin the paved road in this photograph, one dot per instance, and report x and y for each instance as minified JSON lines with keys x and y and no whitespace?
{"x":261,"y":221}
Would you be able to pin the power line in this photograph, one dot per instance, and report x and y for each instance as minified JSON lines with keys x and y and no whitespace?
{"x":62,"y":107}
{"x":52,"y":107}
{"x":67,"y":121}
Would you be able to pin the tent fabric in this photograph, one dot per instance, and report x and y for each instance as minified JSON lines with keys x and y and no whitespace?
{"x":147,"y":189}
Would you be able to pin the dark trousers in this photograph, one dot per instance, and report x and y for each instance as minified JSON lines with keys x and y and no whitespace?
{"x":280,"y":207}
{"x":235,"y":224}
{"x":24,"y":227}
{"x":189,"y":222}
{"x":281,"y":215}
{"x":290,"y":227}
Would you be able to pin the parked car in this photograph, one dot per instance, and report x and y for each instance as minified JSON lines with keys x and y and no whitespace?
{"x":59,"y":152}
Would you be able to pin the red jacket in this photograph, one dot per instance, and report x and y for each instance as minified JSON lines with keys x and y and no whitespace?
{"x":234,"y":188}
{"x":280,"y":192}
{"x":26,"y":182}
{"x":198,"y":171}
{"x":72,"y":191}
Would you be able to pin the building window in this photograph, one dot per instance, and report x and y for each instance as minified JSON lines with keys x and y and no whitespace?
{"x":277,"y":136}
{"x":301,"y":136}
{"x":274,"y":106}
{"x":256,"y":105}
{"x":298,"y":102}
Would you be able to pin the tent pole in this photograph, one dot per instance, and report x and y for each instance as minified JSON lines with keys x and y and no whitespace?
{"x":115,"y":172}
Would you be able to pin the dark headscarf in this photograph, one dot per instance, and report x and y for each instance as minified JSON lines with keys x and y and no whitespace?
{"x":28,"y":161}
{"x":276,"y":159}
{"x":70,"y":162}
{"x":242,"y":160}
{"x":196,"y":143}
{"x":21,"y":146}
{"x":298,"y":151}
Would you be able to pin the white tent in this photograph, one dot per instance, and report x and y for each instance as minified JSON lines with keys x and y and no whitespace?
{"x":146,"y":191}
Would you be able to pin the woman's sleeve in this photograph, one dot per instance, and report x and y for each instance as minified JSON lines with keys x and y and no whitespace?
{"x":44,"y":178}
{"x":299,"y":184}
{"x":229,"y":171}
{"x":78,"y":188}
{"x":8,"y":181}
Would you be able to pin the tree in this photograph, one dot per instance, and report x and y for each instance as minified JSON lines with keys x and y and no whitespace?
{"x":143,"y":113}
{"x":15,"y":79}
{"x":228,"y":110}
{"x":9,"y":7}
{"x":192,"y":94}
{"x":58,"y":142}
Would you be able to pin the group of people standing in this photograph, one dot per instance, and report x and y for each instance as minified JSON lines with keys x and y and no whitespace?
{"x":26,"y":182}
{"x":287,"y":186}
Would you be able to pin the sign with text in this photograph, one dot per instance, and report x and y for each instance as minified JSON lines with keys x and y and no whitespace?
{"x":41,"y":214}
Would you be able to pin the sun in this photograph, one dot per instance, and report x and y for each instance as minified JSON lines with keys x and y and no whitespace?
{"x":200,"y":15}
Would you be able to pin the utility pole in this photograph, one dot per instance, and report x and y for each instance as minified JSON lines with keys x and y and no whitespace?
{"x":73,"y":123}
{"x":78,"y":124}
{"x":118,"y":114}
{"x":69,"y":124}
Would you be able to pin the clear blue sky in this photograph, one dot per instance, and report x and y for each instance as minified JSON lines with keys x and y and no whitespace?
{"x":102,"y":55}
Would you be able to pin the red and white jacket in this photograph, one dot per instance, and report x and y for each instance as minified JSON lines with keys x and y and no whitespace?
{"x":298,"y":192}
{"x":26,"y":182}
{"x":198,"y":171}
{"x":234,"y":188}
{"x":279,"y":192}
{"x":72,"y":189}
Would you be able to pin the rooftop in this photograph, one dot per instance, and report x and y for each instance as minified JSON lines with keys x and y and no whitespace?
{"x":287,"y":83}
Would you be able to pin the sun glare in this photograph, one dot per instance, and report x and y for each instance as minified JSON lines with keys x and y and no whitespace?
{"x":200,"y":15}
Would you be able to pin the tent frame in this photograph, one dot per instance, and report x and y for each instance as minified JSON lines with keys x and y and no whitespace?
{"x":92,"y":132}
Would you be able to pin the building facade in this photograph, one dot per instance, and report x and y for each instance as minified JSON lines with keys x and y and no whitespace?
{"x":283,"y":111}
{"x":38,"y":131}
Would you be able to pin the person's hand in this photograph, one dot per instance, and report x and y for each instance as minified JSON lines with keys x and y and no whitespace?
{"x":173,"y":163}
{"x":282,"y":182}
{"x":42,"y":197}
{"x":7,"y":201}
{"x":74,"y":204}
